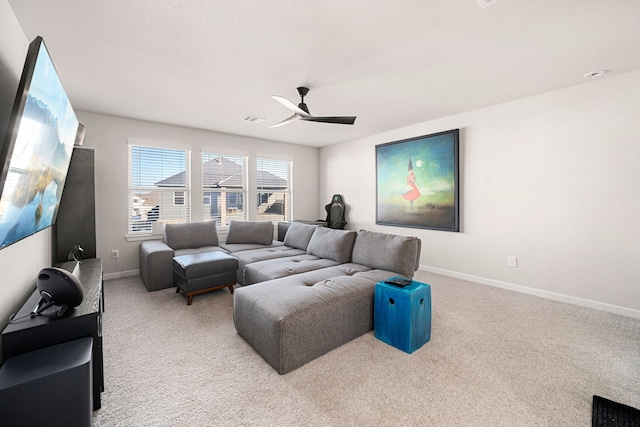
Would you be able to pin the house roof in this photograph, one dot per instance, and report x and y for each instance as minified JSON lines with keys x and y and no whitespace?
{"x":224,"y":173}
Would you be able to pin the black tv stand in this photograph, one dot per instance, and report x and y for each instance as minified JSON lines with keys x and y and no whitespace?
{"x":27,"y":332}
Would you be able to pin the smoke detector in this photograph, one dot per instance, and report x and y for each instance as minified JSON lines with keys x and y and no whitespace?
{"x":253,"y":119}
{"x":594,"y":74}
{"x":486,"y":3}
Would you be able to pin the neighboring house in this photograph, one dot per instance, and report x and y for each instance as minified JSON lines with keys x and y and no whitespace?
{"x":224,"y":189}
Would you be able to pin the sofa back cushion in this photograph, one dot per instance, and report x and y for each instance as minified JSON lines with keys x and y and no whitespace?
{"x":299,"y":234}
{"x":191,"y":235}
{"x":332,"y":244}
{"x":400,"y":254}
{"x":260,"y":232}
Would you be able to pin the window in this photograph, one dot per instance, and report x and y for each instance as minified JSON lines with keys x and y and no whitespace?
{"x":158,"y":187}
{"x":178,"y":197}
{"x":224,"y":182}
{"x":274,"y":190}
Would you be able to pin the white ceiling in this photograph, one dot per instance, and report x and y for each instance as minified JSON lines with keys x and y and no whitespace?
{"x":207,"y":64}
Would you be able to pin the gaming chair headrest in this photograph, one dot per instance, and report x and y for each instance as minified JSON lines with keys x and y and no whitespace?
{"x":60,"y":287}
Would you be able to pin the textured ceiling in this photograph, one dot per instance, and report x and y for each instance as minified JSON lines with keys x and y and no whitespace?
{"x":207,"y":64}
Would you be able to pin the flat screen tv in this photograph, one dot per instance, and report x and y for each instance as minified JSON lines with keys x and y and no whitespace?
{"x":36,"y":150}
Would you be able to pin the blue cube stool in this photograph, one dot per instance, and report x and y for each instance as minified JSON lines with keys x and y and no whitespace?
{"x":402,"y":315}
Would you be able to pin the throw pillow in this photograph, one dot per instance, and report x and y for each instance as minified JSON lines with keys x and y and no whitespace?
{"x":258,"y":232}
{"x":390,"y":252}
{"x":299,"y":234}
{"x":332,"y":244}
{"x":191,"y":235}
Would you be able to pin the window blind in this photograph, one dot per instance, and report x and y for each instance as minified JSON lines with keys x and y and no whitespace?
{"x":159,"y":181}
{"x":224,"y":182}
{"x":274,"y":189}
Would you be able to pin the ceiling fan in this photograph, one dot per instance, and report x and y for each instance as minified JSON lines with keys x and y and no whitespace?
{"x":301,"y":111}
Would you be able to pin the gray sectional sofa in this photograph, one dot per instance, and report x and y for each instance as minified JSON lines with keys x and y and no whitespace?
{"x":299,"y":298}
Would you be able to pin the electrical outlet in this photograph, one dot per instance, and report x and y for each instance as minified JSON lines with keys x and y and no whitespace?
{"x":512,"y":261}
{"x":115,"y":253}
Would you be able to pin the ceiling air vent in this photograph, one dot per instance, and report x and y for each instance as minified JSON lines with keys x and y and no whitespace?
{"x":486,"y":3}
{"x":253,"y":119}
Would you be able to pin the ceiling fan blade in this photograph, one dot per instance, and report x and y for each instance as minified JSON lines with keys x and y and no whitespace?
{"x":346,"y":120}
{"x":291,"y":106}
{"x":301,"y":111}
{"x":285,"y":121}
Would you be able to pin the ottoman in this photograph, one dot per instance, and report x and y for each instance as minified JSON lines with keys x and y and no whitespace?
{"x":198,"y":273}
{"x":402,"y":315}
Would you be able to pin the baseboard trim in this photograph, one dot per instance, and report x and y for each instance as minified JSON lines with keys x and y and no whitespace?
{"x":120,"y":274}
{"x":615,"y":309}
{"x":622,"y":311}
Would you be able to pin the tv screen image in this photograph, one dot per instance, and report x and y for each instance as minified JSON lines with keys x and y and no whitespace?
{"x":37,"y":149}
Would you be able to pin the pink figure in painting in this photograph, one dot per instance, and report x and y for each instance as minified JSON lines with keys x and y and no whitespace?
{"x":414,"y":193}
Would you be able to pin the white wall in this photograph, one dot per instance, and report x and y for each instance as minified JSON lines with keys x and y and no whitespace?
{"x":552,"y":179}
{"x":20,"y":262}
{"x":13,"y":50}
{"x":110,"y":135}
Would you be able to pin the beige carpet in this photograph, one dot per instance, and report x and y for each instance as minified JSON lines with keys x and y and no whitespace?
{"x":496,"y":358}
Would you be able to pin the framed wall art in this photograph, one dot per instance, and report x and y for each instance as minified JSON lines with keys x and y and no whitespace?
{"x":417,"y":182}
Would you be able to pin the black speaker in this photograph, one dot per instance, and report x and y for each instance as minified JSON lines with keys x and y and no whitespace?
{"x":76,"y":219}
{"x":50,"y":386}
{"x":58,"y":287}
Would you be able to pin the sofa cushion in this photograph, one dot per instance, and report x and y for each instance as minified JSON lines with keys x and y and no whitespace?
{"x":292,"y":320}
{"x":259,"y":232}
{"x":299,"y":234}
{"x":387,"y":252}
{"x":261,"y":271}
{"x":265,"y":253}
{"x":241,"y":247}
{"x":191,"y":235}
{"x":332,"y":244}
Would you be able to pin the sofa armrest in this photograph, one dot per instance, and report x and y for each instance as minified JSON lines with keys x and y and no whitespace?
{"x":156,"y":265}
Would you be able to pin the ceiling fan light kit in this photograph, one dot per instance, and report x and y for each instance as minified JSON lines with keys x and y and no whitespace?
{"x":301,"y":111}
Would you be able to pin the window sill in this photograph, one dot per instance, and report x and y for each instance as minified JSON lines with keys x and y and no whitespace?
{"x":142,"y":237}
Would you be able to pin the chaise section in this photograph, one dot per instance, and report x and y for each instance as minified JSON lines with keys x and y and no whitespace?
{"x":294,"y":320}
